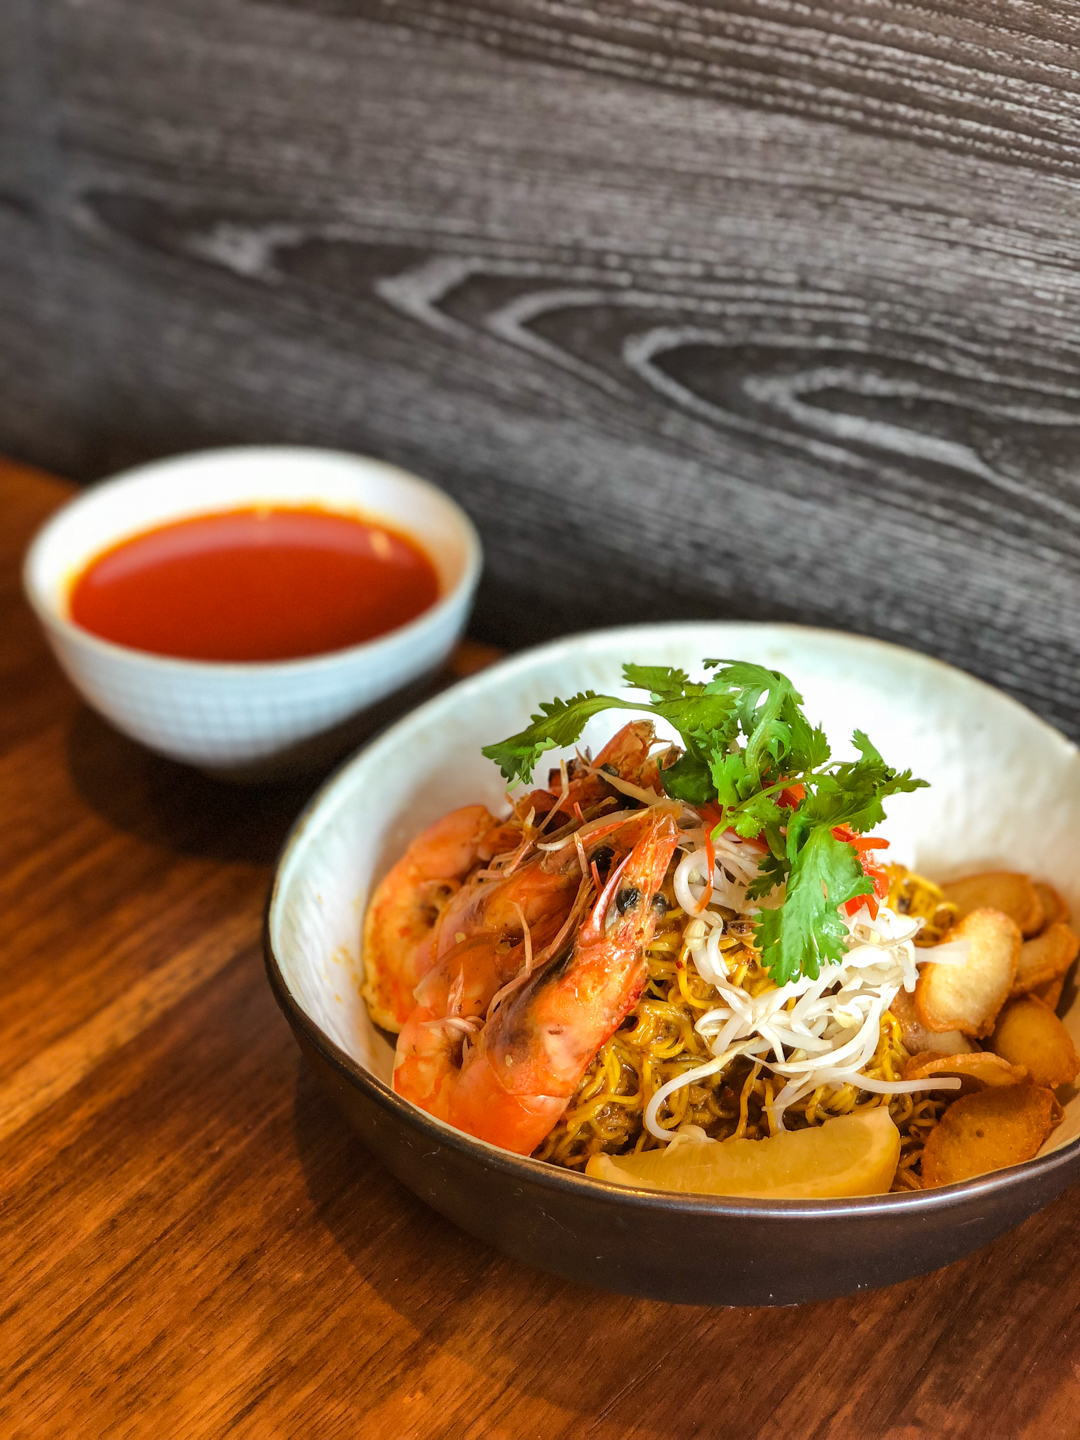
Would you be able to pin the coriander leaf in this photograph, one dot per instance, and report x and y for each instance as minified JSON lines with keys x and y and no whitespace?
{"x":701,"y":720}
{"x":758,"y":813}
{"x":808,"y":931}
{"x":559,"y":723}
{"x":704,"y":721}
{"x":772,"y":872}
{"x":867,"y":751}
{"x":688,"y":779}
{"x":817,"y":748}
{"x":777,"y":843}
{"x":661,"y":681}
{"x":730,"y":777}
{"x":779,"y":736}
{"x":864,"y":818}
{"x":853,"y":792}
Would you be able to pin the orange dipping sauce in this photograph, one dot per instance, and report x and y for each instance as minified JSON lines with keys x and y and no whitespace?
{"x":263,"y":583}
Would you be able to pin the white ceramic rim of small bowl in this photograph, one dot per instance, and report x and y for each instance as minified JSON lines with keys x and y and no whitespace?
{"x":50,"y":616}
{"x":941,"y":1196}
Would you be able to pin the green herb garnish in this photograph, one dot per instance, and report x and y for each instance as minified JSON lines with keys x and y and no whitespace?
{"x":747,"y":750}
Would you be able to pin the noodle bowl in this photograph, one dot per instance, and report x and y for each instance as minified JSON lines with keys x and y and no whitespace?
{"x":1005,"y":792}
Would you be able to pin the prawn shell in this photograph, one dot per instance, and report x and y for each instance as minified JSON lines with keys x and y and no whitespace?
{"x":407,"y":905}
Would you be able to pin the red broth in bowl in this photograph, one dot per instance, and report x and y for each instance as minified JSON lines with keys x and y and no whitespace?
{"x":256,"y":584}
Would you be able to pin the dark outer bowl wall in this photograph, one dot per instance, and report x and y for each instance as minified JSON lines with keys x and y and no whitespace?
{"x":683,"y":1249}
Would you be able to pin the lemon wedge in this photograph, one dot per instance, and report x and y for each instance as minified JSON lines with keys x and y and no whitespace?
{"x":853,"y":1155}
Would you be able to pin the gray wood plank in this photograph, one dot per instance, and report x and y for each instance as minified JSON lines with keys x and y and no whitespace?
{"x":755,"y":310}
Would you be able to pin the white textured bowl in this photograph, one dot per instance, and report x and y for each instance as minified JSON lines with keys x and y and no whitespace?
{"x":244,"y":716}
{"x":1005,"y":793}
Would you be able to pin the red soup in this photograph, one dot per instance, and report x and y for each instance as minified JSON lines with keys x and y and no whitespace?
{"x":255,"y":584}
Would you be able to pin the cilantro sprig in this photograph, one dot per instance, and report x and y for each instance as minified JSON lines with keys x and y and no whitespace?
{"x":753,"y":758}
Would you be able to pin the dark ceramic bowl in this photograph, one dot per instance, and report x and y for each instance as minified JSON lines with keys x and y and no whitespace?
{"x":958,"y":733}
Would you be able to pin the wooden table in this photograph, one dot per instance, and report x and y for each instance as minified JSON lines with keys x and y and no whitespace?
{"x":195,"y":1246}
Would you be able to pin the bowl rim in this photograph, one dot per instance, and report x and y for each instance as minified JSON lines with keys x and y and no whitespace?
{"x":300,"y":667}
{"x":572,"y":1182}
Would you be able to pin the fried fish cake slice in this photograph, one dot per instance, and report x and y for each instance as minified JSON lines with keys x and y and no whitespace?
{"x":967,"y":997}
{"x":1050,"y":992}
{"x":1055,"y":910}
{"x":1001,"y":1125}
{"x":977,"y":1071}
{"x":1005,"y":890}
{"x":1045,"y":957}
{"x":1028,"y":1033}
{"x":917,"y":1039}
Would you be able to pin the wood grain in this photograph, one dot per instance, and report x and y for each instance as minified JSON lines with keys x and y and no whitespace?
{"x":194,"y":1245}
{"x":59,"y":1068}
{"x":763,"y":309}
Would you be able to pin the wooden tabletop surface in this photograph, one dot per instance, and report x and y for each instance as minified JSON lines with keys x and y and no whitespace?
{"x":194,"y":1245}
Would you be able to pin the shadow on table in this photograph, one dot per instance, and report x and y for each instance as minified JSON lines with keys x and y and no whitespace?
{"x":176,"y":806}
{"x":195,"y":813}
{"x":516,"y":1330}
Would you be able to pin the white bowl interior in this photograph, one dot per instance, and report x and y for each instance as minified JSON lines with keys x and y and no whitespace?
{"x":1005,"y":787}
{"x":216,"y":480}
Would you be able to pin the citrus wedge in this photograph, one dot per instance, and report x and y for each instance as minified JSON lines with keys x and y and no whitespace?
{"x":853,"y":1155}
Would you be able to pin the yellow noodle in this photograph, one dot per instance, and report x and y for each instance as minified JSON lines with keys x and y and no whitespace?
{"x":658,"y":1042}
{"x":744,"y":1103}
{"x":911,"y":894}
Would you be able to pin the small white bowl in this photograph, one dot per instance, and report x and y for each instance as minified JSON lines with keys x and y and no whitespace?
{"x":249,"y":718}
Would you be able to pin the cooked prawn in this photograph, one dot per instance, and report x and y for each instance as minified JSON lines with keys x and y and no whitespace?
{"x":451,"y":998}
{"x":435,"y":896}
{"x":512,"y":1086}
{"x":536,"y":890}
{"x":517,"y":924}
{"x":408,"y":902}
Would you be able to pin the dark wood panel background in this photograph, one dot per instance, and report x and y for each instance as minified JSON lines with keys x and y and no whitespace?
{"x":751,"y":309}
